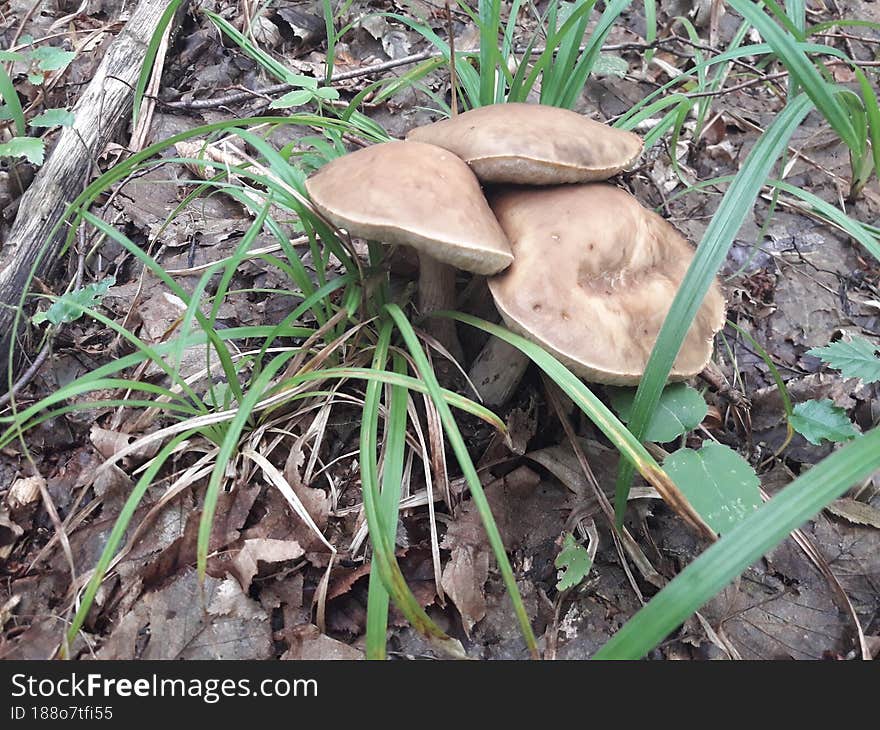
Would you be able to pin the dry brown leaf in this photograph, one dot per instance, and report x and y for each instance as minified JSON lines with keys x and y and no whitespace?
{"x":9,"y":533}
{"x":522,"y":424}
{"x":464,"y":577}
{"x":232,"y":626}
{"x":262,"y":550}
{"x":108,"y":442}
{"x":7,"y":609}
{"x":307,"y":642}
{"x":24,"y":493}
{"x":856,"y":512}
{"x":467,"y":571}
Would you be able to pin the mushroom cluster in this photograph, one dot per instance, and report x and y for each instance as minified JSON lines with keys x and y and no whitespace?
{"x":575,"y":264}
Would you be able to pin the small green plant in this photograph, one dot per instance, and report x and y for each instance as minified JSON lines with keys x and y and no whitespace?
{"x":40,"y":61}
{"x":855,"y":358}
{"x":573,"y":563}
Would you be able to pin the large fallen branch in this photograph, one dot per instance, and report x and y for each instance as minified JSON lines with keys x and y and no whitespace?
{"x":101,"y":113}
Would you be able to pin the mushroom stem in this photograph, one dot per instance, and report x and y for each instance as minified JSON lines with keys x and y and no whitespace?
{"x":497,"y":371}
{"x":437,"y":292}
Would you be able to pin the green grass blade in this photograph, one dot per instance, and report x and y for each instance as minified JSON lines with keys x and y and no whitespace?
{"x":580,"y":73}
{"x":468,"y":78}
{"x":389,"y":506}
{"x":872,"y":109}
{"x":709,"y":256}
{"x":329,"y":25}
{"x":13,"y":103}
{"x":159,"y":272}
{"x":490,"y":59}
{"x":650,"y":27}
{"x":743,"y":545}
{"x":618,"y":434}
{"x":470,"y":473}
{"x":863,"y":233}
{"x":226,"y":453}
{"x":841,"y":23}
{"x":797,"y":12}
{"x":278,"y":70}
{"x":384,"y":562}
{"x":800,"y":67}
{"x":150,"y":57}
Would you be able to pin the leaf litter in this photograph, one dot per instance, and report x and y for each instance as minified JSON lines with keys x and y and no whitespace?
{"x":798,"y":288}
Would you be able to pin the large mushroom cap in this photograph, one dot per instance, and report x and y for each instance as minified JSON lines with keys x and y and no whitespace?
{"x":593,"y":278}
{"x":533,"y":144}
{"x":417,"y":195}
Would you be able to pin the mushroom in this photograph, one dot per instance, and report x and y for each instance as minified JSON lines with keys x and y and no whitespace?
{"x":419,"y":195}
{"x":593,"y":277}
{"x":527,"y":144}
{"x":533,"y":144}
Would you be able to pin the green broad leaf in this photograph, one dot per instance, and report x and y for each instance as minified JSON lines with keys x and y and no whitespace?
{"x":53,"y":118}
{"x":218,"y":395}
{"x":722,"y":561}
{"x":11,"y":56}
{"x":5,"y":113}
{"x":573,"y":562}
{"x":30,"y":148}
{"x":816,"y":420}
{"x":609,"y":64}
{"x":718,"y":482}
{"x":36,"y":78}
{"x":859,"y":358}
{"x":327,"y":93}
{"x":292,"y":98}
{"x":50,"y":58}
{"x":680,"y":409}
{"x":70,"y":307}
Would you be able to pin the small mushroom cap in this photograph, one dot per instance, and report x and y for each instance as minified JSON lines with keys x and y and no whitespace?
{"x":533,"y":144}
{"x":593,"y":277}
{"x":413,"y":194}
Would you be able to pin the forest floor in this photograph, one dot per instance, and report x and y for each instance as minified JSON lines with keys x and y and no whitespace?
{"x":792,"y":283}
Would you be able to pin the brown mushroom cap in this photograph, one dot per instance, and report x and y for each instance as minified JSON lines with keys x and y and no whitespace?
{"x":533,"y":144}
{"x":593,"y":278}
{"x":413,"y":194}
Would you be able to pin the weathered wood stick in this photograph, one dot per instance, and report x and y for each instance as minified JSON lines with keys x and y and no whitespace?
{"x":101,"y":113}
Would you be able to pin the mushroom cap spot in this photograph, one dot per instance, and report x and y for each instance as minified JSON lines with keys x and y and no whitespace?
{"x":593,"y":277}
{"x":533,"y":144}
{"x":413,"y":194}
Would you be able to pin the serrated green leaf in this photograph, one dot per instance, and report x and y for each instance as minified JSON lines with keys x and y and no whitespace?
{"x":718,"y":482}
{"x":574,"y":563}
{"x":816,"y":420}
{"x":292,"y":98}
{"x":680,"y":409}
{"x":69,"y":307}
{"x":11,"y":56}
{"x":859,"y":358}
{"x":30,"y":148}
{"x":53,"y":118}
{"x":36,"y":78}
{"x":50,"y":58}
